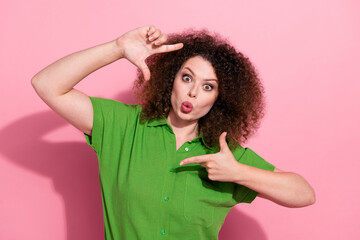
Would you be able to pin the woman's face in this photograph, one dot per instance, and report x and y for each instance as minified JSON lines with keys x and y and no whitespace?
{"x":195,"y":90}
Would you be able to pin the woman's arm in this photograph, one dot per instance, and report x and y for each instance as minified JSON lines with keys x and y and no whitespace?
{"x":284,"y":188}
{"x":54,"y":84}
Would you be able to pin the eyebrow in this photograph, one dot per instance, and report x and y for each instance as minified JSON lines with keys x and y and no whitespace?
{"x":195,"y":75}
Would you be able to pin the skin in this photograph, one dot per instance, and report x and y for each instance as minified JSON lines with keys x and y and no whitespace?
{"x":195,"y":82}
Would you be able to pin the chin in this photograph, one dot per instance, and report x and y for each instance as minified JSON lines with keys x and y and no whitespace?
{"x":186,"y":116}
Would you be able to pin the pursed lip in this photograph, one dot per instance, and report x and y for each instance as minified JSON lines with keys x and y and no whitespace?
{"x":187,"y":107}
{"x":189,"y":104}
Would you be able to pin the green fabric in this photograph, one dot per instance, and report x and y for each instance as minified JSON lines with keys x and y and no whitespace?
{"x":146,"y":194}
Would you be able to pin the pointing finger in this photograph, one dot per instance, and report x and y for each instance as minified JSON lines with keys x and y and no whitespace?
{"x":169,"y":48}
{"x":196,"y":159}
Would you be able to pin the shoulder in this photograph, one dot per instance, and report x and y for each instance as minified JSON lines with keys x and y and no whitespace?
{"x":113,"y":103}
{"x":238,"y":151}
{"x":249,"y":157}
{"x":107,"y":107}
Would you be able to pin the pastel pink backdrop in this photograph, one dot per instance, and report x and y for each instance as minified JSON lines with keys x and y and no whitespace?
{"x":306,"y":52}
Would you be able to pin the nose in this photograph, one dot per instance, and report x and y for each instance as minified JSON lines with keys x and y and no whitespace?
{"x":193,"y":91}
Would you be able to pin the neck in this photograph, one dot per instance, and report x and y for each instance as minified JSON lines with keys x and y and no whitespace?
{"x":183,"y":129}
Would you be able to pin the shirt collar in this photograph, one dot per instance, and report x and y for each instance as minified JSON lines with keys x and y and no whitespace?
{"x":201,"y":137}
{"x":163,"y":121}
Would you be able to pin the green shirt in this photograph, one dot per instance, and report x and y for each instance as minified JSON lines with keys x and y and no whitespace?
{"x":146,"y":194}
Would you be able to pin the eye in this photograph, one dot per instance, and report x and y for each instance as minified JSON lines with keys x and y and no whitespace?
{"x":208,"y":87}
{"x":186,"y":78}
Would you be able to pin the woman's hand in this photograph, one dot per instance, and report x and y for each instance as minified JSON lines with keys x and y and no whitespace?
{"x":140,"y":43}
{"x":284,"y":188}
{"x":221,"y":166}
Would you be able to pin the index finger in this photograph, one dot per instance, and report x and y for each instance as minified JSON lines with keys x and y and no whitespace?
{"x":169,"y":48}
{"x":196,"y":159}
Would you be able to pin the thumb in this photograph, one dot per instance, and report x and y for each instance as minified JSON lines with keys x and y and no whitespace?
{"x":223,"y":143}
{"x":145,"y":70}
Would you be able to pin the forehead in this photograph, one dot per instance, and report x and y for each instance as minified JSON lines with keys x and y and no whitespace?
{"x":200,"y":67}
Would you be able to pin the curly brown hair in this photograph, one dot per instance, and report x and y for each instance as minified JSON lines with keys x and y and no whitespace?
{"x":240,"y":104}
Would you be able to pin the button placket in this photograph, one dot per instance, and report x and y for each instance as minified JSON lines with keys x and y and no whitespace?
{"x":168,"y":185}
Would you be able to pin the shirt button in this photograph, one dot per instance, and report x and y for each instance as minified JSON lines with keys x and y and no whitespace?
{"x":166,"y":198}
{"x":186,"y":149}
{"x":162,"y":232}
{"x":172,"y":170}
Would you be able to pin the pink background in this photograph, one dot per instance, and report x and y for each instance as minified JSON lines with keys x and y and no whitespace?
{"x":307,"y":53}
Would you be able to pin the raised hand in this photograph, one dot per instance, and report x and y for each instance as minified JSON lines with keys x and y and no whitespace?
{"x":221,"y":166}
{"x":140,"y":43}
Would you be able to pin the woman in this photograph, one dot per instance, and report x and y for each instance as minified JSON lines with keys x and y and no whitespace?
{"x":166,"y":168}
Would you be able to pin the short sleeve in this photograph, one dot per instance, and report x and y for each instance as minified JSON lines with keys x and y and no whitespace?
{"x":110,"y":118}
{"x":247,"y":156}
{"x":94,"y":140}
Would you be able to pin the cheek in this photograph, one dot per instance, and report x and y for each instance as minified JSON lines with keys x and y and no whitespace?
{"x":176,"y":87}
{"x":172,"y":99}
{"x":179,"y":91}
{"x":208,"y":103}
{"x":212,"y":99}
{"x":173,"y":91}
{"x":175,"y":95}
